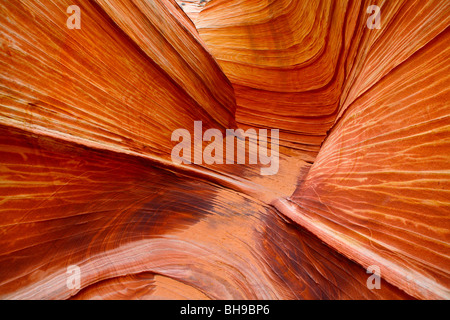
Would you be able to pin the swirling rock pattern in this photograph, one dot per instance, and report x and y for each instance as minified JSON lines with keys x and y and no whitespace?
{"x":378,"y":189}
{"x":86,"y":118}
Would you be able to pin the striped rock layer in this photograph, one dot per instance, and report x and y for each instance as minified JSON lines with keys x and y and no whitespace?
{"x":86,"y":177}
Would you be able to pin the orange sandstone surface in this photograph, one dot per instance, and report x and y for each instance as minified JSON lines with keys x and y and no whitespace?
{"x":87,"y":178}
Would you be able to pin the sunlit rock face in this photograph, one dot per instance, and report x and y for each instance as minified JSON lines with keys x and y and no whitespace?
{"x":87,"y":115}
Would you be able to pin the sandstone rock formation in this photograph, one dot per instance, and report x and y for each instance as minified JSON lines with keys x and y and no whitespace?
{"x":86,"y":117}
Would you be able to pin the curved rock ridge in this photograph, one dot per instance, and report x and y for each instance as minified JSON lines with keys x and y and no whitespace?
{"x":374,"y":101}
{"x":381,"y":179}
{"x":124,"y":81}
{"x":123,"y":219}
{"x":87,"y":180}
{"x":296,"y":65}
